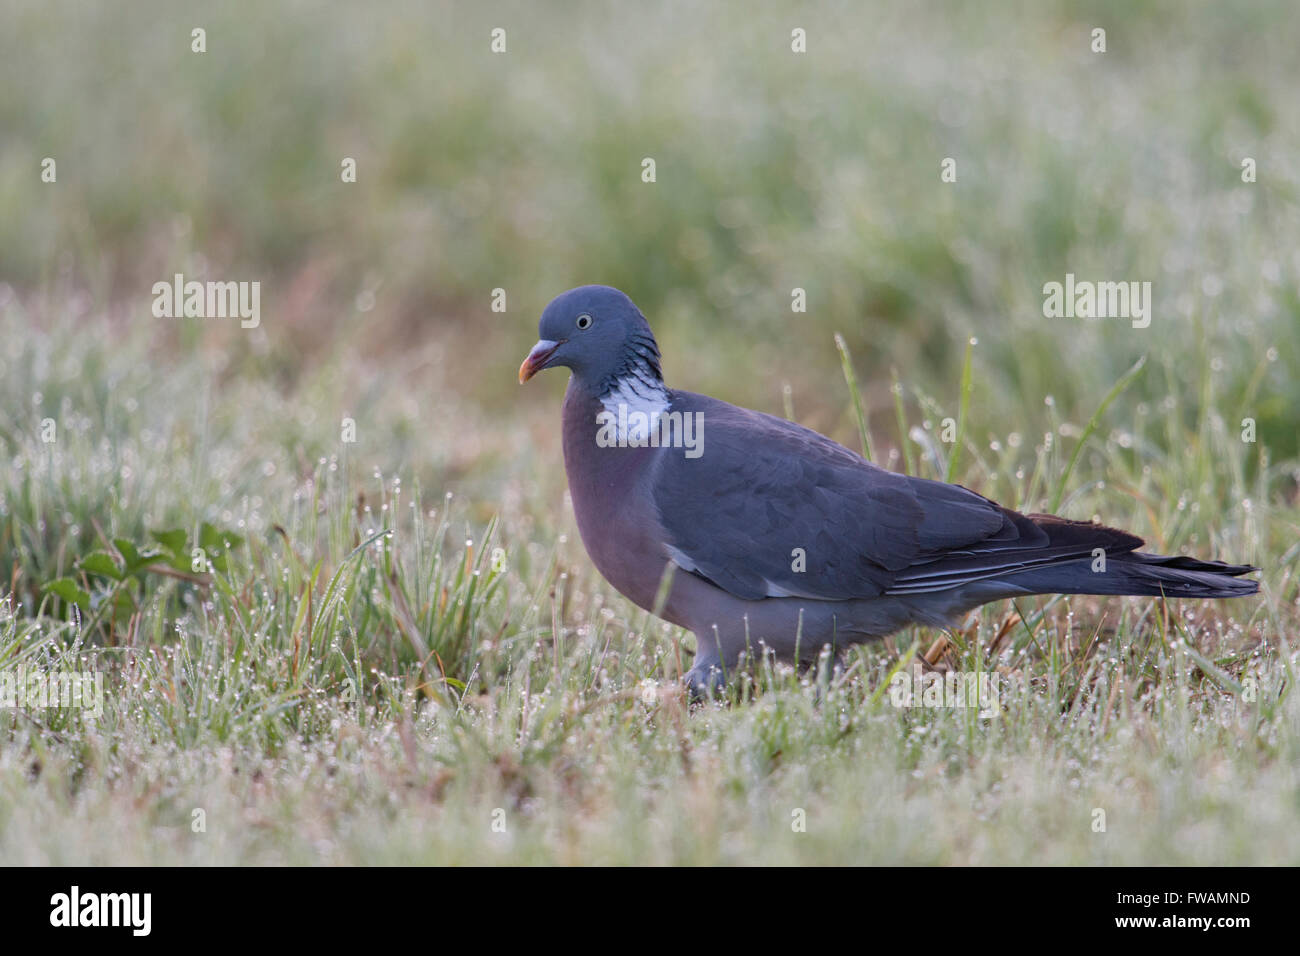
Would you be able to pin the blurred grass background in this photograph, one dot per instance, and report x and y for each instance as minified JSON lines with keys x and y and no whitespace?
{"x":775,"y":171}
{"x":522,"y":171}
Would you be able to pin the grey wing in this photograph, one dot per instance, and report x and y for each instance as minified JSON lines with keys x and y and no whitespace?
{"x":771,"y":509}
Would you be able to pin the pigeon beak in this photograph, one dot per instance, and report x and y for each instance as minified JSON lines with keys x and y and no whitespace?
{"x":537,"y":359}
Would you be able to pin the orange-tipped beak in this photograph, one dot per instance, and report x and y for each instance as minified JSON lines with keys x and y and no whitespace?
{"x":537,"y":359}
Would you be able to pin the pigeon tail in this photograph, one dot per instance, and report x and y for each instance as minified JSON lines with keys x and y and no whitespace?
{"x":1047,"y":554}
{"x":1139,"y":574}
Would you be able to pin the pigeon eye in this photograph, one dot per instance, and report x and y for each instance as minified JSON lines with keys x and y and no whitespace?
{"x":584,"y":321}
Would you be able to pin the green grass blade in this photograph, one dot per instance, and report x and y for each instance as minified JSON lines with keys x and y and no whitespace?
{"x":963,"y":407}
{"x":1124,"y":382}
{"x":900,"y":414}
{"x":851,"y":379}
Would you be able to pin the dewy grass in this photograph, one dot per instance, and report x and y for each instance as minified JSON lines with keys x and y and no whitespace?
{"x":408,"y":657}
{"x":1093,"y":422}
{"x":963,"y":406}
{"x":855,"y":396}
{"x":403,"y":680}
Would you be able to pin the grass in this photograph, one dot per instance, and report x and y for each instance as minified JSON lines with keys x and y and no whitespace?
{"x":395,"y":650}
{"x":376,"y":672}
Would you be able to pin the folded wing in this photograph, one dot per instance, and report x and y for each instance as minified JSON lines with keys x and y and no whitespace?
{"x":772,"y":509}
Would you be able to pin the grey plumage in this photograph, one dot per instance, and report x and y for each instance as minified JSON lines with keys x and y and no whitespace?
{"x":775,"y":533}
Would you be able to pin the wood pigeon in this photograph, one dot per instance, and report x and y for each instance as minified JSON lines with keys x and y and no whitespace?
{"x":750,"y":530}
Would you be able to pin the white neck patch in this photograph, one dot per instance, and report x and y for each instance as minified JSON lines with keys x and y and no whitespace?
{"x":633,"y":401}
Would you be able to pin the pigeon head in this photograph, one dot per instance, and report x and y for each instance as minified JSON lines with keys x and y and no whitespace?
{"x":600,"y":335}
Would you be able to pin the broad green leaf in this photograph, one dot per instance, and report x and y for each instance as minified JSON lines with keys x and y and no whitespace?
{"x":101,"y":563}
{"x":213,"y":540}
{"x":136,"y":560}
{"x":130,"y":554}
{"x":173,"y":541}
{"x":68,"y":590}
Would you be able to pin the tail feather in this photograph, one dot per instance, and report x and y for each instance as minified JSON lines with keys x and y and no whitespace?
{"x":1044,"y":554}
{"x":1141,"y":574}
